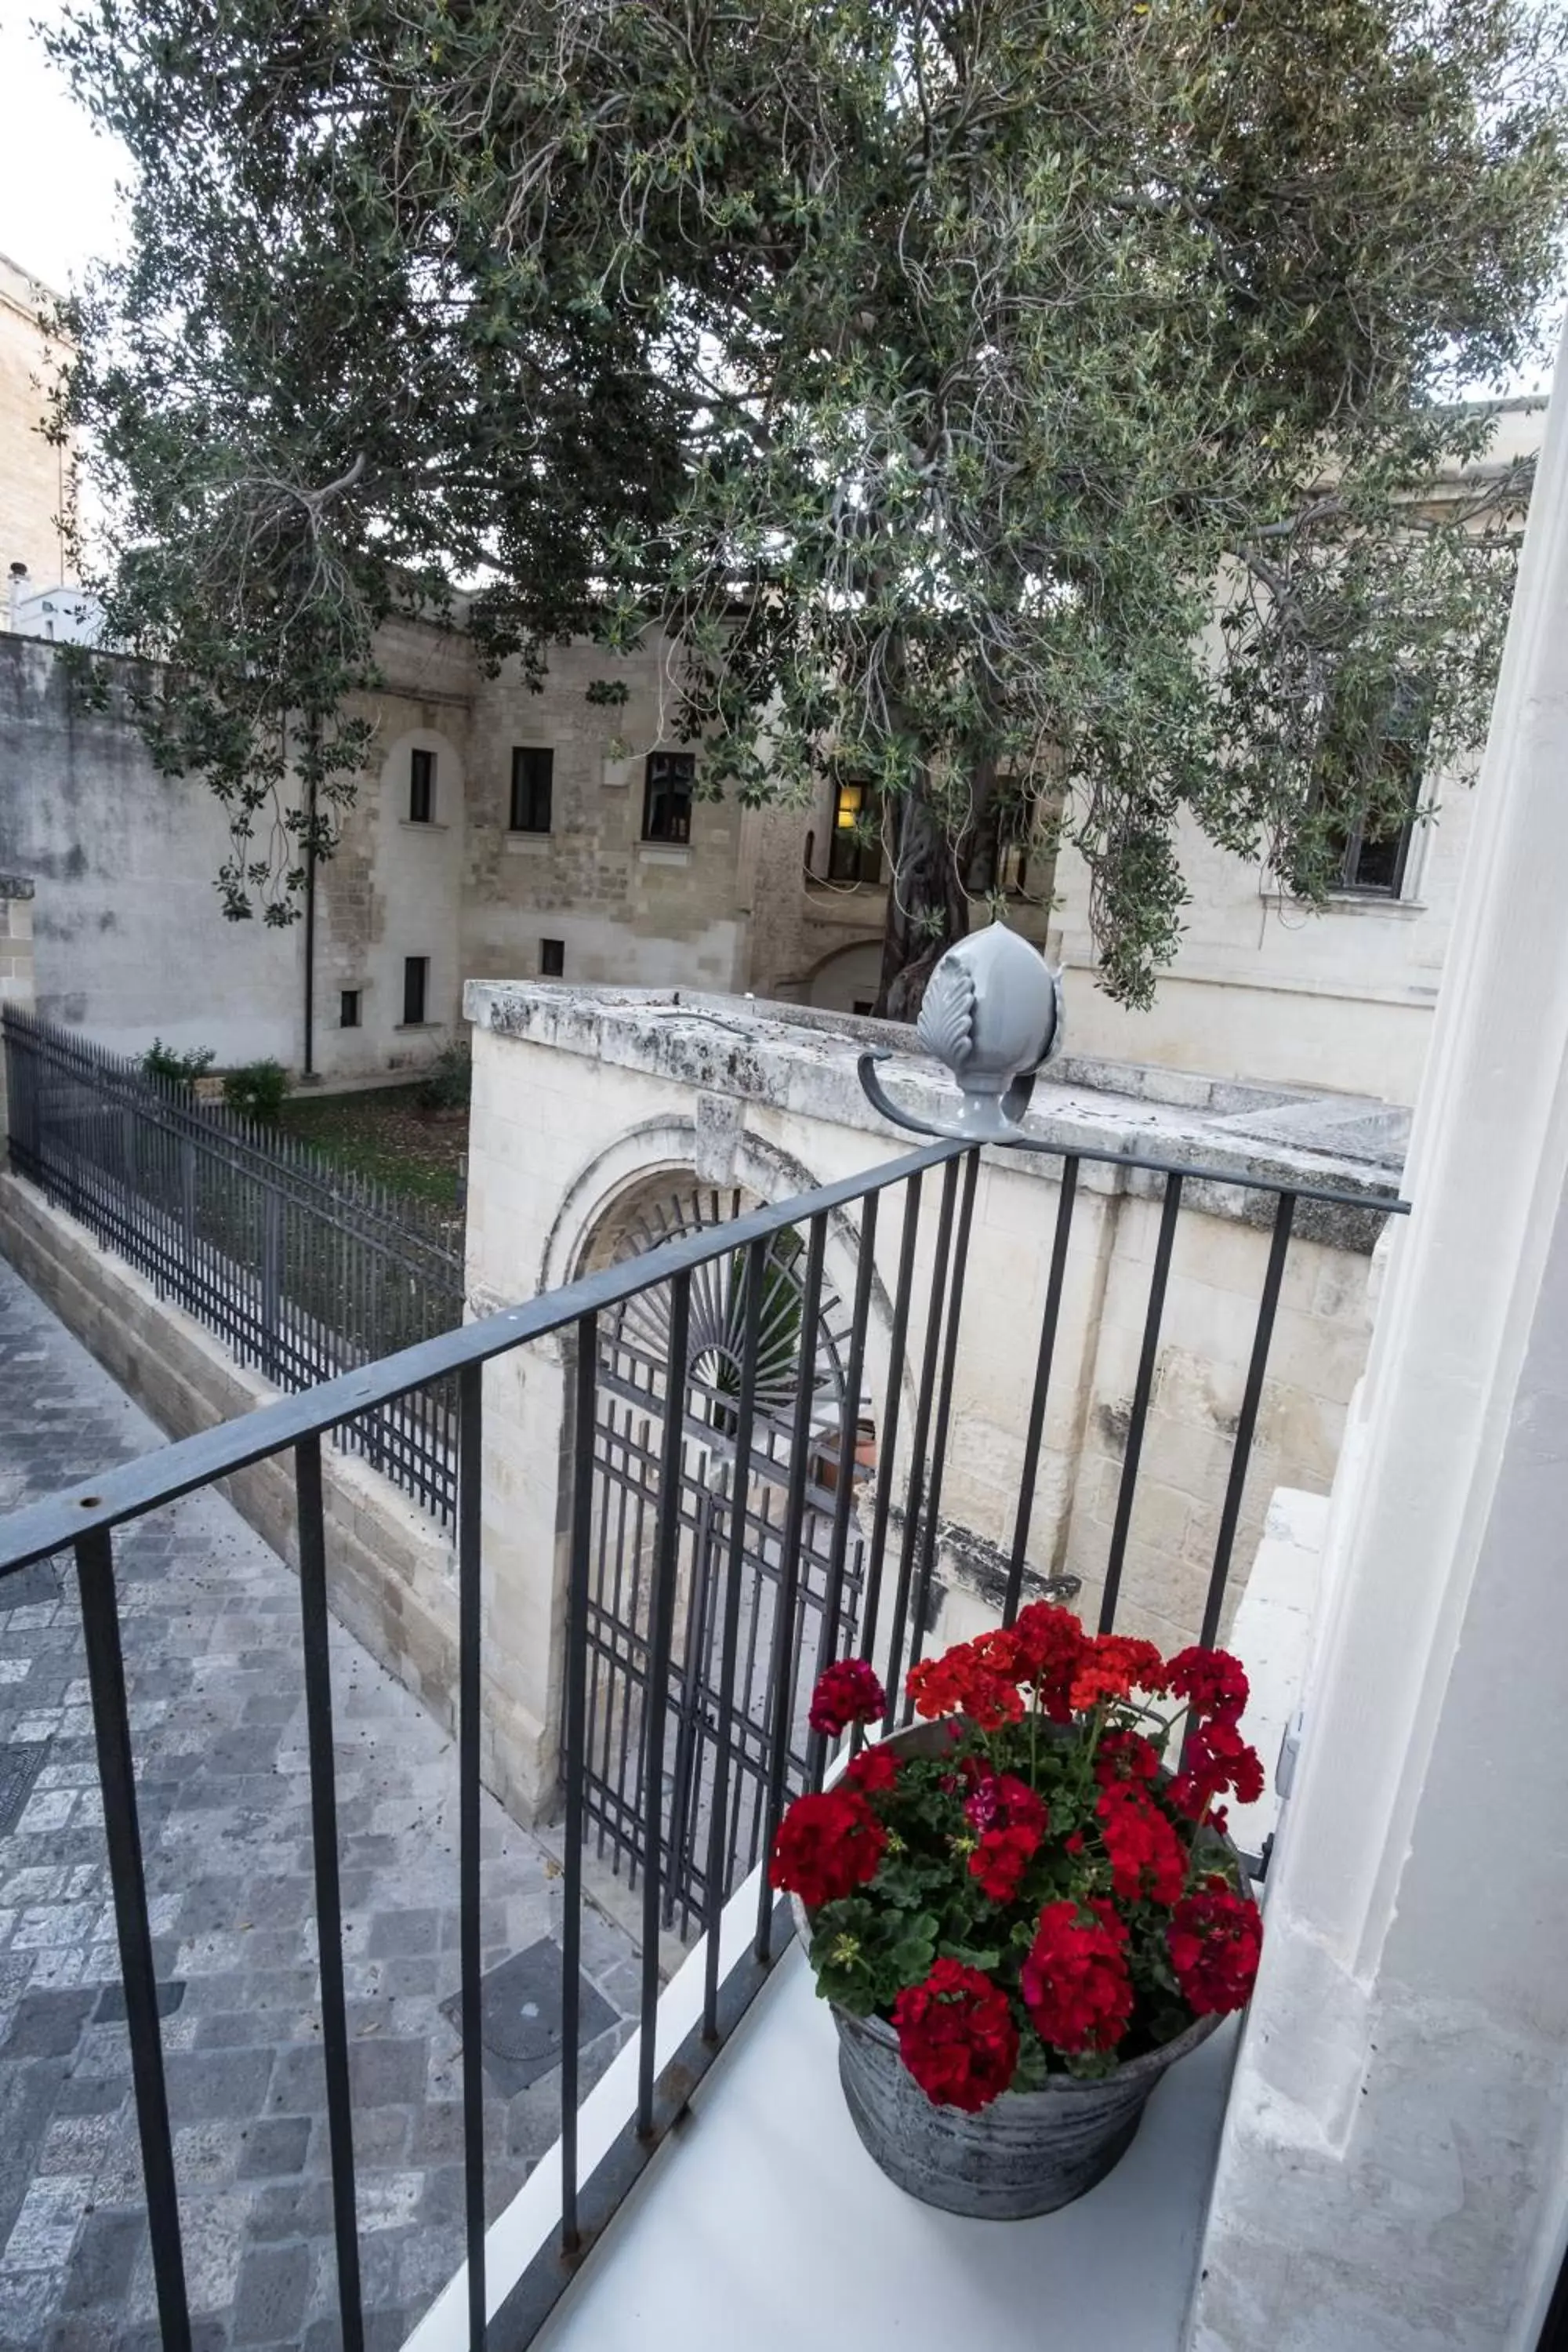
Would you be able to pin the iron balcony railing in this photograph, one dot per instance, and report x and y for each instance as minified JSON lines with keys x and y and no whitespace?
{"x":794,"y":1596}
{"x":301,"y":1268}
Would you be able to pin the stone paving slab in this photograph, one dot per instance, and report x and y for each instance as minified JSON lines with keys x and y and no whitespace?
{"x":210,"y":1621}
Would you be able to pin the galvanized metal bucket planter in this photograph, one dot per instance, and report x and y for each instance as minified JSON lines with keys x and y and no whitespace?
{"x":1029,"y":2151}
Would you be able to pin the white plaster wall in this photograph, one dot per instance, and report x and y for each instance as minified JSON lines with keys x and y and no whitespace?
{"x":1395,"y":2166}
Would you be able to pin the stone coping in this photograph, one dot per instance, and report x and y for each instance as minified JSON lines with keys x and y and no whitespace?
{"x":801,"y":1060}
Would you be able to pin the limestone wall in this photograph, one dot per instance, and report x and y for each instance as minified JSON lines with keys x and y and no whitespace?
{"x":581,"y":1097}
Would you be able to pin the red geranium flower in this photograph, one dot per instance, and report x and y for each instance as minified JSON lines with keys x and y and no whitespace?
{"x":1050,"y":1642}
{"x":847,"y":1693}
{"x":1112,"y":1667}
{"x":1147,"y":1857}
{"x":1212,"y":1681}
{"x":1125,"y":1756}
{"x":1075,"y":1982}
{"x":1000,"y":1860}
{"x":1218,"y":1760}
{"x":960,"y":1682}
{"x":874,"y":1770}
{"x":956,"y":2036}
{"x":826,"y":1846}
{"x":1215,"y":1939}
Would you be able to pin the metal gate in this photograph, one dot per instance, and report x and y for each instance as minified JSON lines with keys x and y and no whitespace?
{"x":628,"y":1438}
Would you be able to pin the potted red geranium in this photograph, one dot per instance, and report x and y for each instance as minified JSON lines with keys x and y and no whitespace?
{"x":1023,"y":1908}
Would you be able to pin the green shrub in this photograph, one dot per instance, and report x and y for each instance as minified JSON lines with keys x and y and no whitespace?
{"x":161,"y":1061}
{"x":448,"y":1082}
{"x":255,"y":1091}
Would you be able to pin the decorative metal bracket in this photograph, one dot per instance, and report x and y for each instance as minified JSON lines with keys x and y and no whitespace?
{"x":993,"y":1015}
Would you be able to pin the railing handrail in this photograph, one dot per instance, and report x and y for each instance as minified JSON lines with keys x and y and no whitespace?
{"x":167,"y":1472}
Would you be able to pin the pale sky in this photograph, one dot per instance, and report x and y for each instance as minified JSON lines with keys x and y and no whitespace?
{"x":56,"y":175}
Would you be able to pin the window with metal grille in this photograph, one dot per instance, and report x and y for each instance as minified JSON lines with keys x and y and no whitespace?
{"x":855,"y":842}
{"x":552,"y":959}
{"x":415,"y":989}
{"x":666,"y":795}
{"x":421,"y":787}
{"x":532,"y":787}
{"x":348,"y":1008}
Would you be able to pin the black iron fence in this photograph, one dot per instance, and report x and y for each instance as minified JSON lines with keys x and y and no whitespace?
{"x":302,"y":1269}
{"x":690,"y":1629}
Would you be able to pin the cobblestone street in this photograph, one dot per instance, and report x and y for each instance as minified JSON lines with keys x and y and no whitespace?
{"x":211,"y":1626}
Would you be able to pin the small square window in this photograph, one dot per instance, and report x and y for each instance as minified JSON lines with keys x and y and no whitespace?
{"x":348,"y":1008}
{"x":532,"y":788}
{"x":415,"y":988}
{"x":666,"y":795}
{"x":552,"y":959}
{"x":422,"y":788}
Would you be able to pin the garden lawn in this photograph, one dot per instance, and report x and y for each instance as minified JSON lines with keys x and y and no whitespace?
{"x":384,"y":1134}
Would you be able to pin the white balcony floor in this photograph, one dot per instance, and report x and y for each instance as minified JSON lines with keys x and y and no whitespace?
{"x":763,"y":2226}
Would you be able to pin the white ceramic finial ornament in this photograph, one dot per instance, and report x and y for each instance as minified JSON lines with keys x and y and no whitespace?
{"x":993,"y":1014}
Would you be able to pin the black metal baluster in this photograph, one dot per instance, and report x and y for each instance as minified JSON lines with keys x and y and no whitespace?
{"x":117,"y":1780}
{"x":789,"y":1571}
{"x":719,"y":1833}
{"x":888,"y":1435}
{"x":329,"y":1900}
{"x":1246,"y":1420}
{"x":943,"y":1410}
{"x":919,"y":1439}
{"x":1141,"y":1392}
{"x":1048,"y":1321}
{"x":470,"y":1452}
{"x":655,"y":1702}
{"x":576,"y":1743}
{"x":848,"y":1442}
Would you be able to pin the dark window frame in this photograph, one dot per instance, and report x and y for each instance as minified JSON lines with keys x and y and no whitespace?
{"x":421,"y":786}
{"x":669,"y":782}
{"x":851,"y":857}
{"x":347,"y":1018}
{"x":1377,"y":865}
{"x":552,"y":959}
{"x":415,"y":991}
{"x":1005,"y":833}
{"x":531,"y":808}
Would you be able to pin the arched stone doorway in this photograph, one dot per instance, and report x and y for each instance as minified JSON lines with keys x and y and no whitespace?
{"x":749,"y":1533}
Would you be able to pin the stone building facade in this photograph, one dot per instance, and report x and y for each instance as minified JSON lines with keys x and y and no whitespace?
{"x":505,"y":832}
{"x":35,"y":485}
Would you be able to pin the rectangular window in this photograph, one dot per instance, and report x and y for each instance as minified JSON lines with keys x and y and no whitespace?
{"x":422,"y":788}
{"x":552,"y":959}
{"x":855,"y":843}
{"x":998,"y":862}
{"x":415,"y":987}
{"x":532,"y":784}
{"x":1373,"y":760}
{"x":348,"y":1008}
{"x":666,"y":795}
